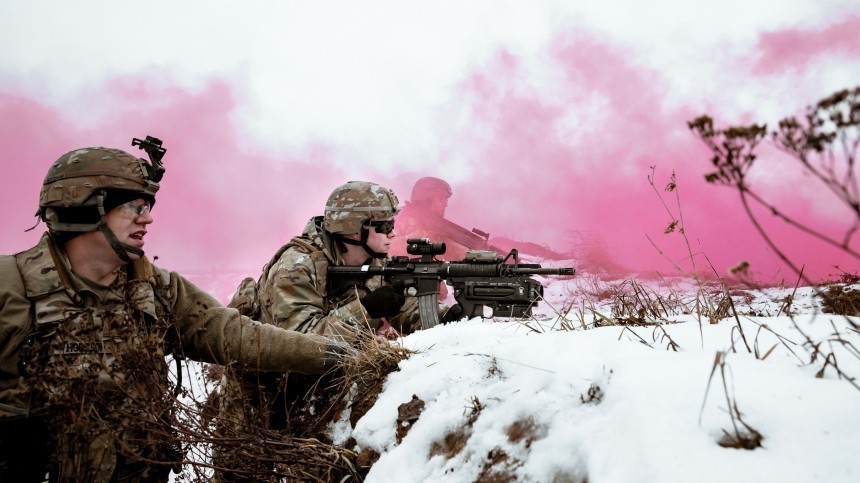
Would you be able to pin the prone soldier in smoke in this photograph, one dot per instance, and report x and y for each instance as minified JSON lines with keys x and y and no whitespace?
{"x":86,"y":323}
{"x":424,"y":217}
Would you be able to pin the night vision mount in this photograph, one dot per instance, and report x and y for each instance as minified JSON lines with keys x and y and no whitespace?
{"x":153,"y":148}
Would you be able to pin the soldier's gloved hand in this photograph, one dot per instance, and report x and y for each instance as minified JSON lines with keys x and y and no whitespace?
{"x":386,"y":301}
{"x":453,"y":314}
{"x":334,"y":355}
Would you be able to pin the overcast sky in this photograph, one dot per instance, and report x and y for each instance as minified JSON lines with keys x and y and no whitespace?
{"x":544,"y":116}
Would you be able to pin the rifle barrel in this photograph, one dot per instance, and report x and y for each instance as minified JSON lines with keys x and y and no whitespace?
{"x":454,"y":269}
{"x":543,"y":271}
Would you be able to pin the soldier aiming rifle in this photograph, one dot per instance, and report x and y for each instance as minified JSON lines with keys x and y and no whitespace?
{"x":482,"y":279}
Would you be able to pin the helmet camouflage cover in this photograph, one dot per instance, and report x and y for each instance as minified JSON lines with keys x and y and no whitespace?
{"x":77,"y":175}
{"x":353,"y":204}
{"x":80,"y":179}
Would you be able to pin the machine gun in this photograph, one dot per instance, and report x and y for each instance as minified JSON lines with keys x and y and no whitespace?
{"x":482,"y":279}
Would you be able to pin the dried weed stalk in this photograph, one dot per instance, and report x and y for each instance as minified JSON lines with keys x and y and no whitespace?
{"x":824,"y":351}
{"x":824,"y":141}
{"x":742,"y":435}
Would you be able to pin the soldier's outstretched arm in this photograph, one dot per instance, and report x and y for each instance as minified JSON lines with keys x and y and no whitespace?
{"x":210,"y":332}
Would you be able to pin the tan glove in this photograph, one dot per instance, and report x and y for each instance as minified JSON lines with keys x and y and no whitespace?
{"x":269,"y":348}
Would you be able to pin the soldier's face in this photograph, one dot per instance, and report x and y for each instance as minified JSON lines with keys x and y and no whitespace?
{"x":379,"y":242}
{"x":128,"y":223}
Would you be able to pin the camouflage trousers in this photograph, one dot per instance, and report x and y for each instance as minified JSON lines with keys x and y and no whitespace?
{"x":29,"y":453}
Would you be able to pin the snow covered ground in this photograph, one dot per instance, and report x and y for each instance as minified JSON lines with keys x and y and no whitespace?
{"x":620,"y":404}
{"x":567,"y":398}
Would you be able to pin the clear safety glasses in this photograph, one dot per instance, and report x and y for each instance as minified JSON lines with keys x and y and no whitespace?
{"x":135,"y":208}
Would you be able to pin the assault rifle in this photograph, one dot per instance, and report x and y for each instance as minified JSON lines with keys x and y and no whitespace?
{"x":482,"y":279}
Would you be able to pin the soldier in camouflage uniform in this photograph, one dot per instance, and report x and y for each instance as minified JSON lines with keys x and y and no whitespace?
{"x":295,"y":293}
{"x":86,"y":322}
{"x":357,"y":229}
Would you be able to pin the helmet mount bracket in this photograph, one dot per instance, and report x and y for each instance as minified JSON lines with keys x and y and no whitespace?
{"x":152,"y":146}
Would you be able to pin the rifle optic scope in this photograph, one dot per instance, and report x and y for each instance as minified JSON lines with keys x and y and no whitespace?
{"x":422,"y":246}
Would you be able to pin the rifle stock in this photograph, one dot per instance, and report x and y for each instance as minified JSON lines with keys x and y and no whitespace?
{"x":482,"y":279}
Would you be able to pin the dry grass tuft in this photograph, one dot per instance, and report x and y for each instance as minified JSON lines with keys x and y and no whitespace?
{"x":838,"y":299}
{"x":742,"y":435}
{"x":407,"y":414}
{"x":633,"y":304}
{"x":525,"y":431}
{"x":748,"y":439}
{"x":593,"y":396}
{"x":365,"y":370}
{"x":299,"y":448}
{"x":454,"y":442}
{"x":498,"y":468}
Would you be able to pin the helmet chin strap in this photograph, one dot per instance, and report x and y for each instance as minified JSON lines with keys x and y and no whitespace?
{"x":122,"y":249}
{"x":363,"y":244}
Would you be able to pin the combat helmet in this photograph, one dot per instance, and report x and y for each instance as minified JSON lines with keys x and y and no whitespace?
{"x":428,"y":188}
{"x":84,"y":184}
{"x":354,"y":205}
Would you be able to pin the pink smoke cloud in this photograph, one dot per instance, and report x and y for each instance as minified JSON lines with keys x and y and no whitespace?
{"x":568,"y":171}
{"x":536,"y":186}
{"x":224,"y":203}
{"x":796,"y":48}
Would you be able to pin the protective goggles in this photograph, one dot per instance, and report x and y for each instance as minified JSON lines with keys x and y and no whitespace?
{"x":135,"y":208}
{"x":382,"y":226}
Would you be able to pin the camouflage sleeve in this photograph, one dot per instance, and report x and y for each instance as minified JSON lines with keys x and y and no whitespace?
{"x":210,"y":332}
{"x":14,"y":316}
{"x":291,"y":299}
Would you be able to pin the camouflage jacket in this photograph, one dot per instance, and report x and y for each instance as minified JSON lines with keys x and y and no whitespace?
{"x":147,"y":313}
{"x":295,"y":294}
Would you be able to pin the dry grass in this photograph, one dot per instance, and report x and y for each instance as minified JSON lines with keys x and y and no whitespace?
{"x":499,"y":466}
{"x":454,"y":442}
{"x":842,"y":300}
{"x":297,"y":449}
{"x":364,"y":372}
{"x":741,"y":435}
